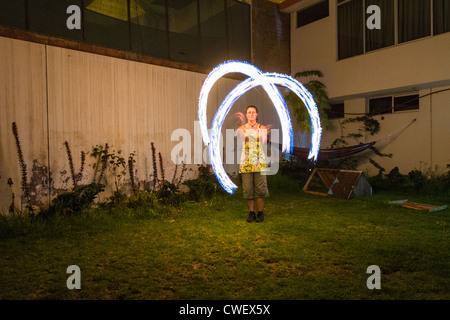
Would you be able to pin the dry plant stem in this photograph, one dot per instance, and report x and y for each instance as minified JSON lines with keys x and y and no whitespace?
{"x":12,"y":205}
{"x":155,"y":168}
{"x":161,"y":166}
{"x":104,"y":162}
{"x":175,"y":172}
{"x":80,"y":173}
{"x":131,"y":171}
{"x":22,"y":164}
{"x":183,"y":170}
{"x":72,"y":169}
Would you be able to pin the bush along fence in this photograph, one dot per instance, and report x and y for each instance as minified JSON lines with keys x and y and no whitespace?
{"x":127,"y":189}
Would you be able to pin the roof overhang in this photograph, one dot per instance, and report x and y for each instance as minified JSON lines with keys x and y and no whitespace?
{"x":289,"y":6}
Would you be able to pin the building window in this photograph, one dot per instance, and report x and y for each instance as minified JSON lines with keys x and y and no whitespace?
{"x":390,"y":104}
{"x":415,"y":19}
{"x":43,"y":17}
{"x":312,"y":13}
{"x":350,"y":29}
{"x":238,"y":30}
{"x":105,"y":24}
{"x":184,"y":32}
{"x":12,"y":13}
{"x":200,"y":32}
{"x":336,"y":111}
{"x":149,"y":28}
{"x":406,"y":103}
{"x":441,"y":16}
{"x":384,"y":37}
{"x":380,"y":105}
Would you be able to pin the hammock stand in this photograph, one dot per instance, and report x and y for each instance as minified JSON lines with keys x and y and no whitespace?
{"x":346,"y":184}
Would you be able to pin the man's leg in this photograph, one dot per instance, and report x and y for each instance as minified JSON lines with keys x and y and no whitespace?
{"x":251,"y":204}
{"x":260,"y":203}
{"x":248,"y":188}
{"x":261,"y":192}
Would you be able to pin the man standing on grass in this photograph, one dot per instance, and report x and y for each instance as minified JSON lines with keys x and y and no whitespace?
{"x":253,"y":162}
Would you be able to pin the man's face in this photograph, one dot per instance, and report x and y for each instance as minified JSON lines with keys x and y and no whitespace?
{"x":251,"y":114}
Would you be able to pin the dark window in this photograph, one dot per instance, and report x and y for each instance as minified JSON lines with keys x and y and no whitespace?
{"x":313,"y":13}
{"x":384,"y":37}
{"x":336,"y":111}
{"x":414,"y":19}
{"x":213,"y":28}
{"x":184,"y":33}
{"x":106,"y":24}
{"x":404,"y":103}
{"x":201,"y":32}
{"x":149,"y":28}
{"x":49,"y":17}
{"x":13,"y":13}
{"x":350,"y":29}
{"x":393,"y":103}
{"x":441,"y":16}
{"x":380,"y":105}
{"x":239,"y":46}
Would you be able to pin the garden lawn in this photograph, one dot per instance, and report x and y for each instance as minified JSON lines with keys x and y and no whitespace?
{"x":308,"y":247}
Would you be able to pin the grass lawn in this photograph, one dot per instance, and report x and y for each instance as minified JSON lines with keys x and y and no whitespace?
{"x":308,"y":247}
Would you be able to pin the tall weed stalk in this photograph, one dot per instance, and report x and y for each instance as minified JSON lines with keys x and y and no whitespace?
{"x":22,"y":166}
{"x":155,"y":168}
{"x":131,"y":162}
{"x":72,"y":169}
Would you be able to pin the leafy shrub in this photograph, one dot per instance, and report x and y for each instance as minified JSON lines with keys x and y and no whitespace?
{"x":297,"y":169}
{"x":377,"y":182}
{"x":395,"y":180}
{"x":415,"y":181}
{"x":438,"y":184}
{"x":75,"y":201}
{"x":168,"y":193}
{"x":204,"y":187}
{"x":142,"y":198}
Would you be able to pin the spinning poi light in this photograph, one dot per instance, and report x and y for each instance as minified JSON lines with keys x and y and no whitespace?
{"x":268,"y":82}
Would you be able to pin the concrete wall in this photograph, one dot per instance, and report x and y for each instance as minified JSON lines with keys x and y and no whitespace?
{"x":56,"y":95}
{"x":418,"y":66}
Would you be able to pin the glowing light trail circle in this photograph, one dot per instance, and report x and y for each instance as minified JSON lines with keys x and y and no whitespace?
{"x":272,"y":91}
{"x":235,"y":94}
{"x":268,"y":82}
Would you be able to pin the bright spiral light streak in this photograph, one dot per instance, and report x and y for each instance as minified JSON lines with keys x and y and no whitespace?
{"x":272,"y":91}
{"x":235,"y":94}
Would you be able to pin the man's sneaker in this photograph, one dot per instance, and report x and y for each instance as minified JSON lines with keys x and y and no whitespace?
{"x":251,"y":217}
{"x":260,"y":217}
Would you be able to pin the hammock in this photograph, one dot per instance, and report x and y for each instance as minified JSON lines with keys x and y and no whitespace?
{"x":333,"y":154}
{"x":345,"y":152}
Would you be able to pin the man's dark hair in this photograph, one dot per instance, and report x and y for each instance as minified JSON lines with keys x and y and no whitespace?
{"x":251,"y":106}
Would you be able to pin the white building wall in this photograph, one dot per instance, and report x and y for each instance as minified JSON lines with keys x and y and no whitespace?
{"x":422,"y":65}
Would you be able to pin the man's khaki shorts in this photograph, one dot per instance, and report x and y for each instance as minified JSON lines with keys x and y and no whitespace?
{"x":254,"y":185}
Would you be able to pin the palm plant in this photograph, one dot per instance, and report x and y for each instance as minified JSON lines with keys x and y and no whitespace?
{"x":319,"y":93}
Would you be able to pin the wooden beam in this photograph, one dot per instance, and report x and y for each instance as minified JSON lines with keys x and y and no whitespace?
{"x":423,"y":207}
{"x":317,"y":193}
{"x":309,"y":179}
